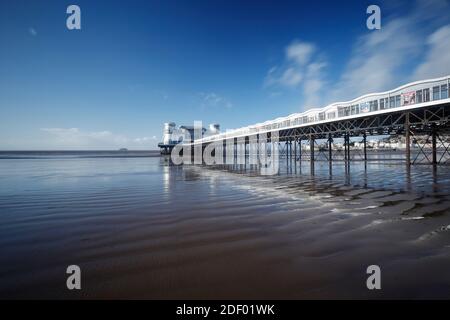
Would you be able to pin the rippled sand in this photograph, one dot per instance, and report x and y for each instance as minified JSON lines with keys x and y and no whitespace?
{"x":139,"y":228}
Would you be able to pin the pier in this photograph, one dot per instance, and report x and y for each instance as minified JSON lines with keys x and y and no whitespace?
{"x":417,"y":112}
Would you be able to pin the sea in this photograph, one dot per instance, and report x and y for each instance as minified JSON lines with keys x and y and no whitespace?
{"x":139,"y":227}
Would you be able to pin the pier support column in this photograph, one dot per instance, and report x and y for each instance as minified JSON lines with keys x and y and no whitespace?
{"x":311,"y":146}
{"x":295,"y":150}
{"x":348,"y":147}
{"x":295,"y":154}
{"x":276,"y":146}
{"x":330,"y":148}
{"x":300,"y":150}
{"x":407,"y":140}
{"x":290,"y":152}
{"x":287,"y":152}
{"x":272,"y":148}
{"x":224,"y":152}
{"x":237,"y":148}
{"x":433,"y":142}
{"x":258,"y":151}
{"x":365,"y":146}
{"x":245,"y":152}
{"x":345,"y":147}
{"x":290,"y":143}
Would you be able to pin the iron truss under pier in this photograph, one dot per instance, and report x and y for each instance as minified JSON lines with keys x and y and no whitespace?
{"x":418,"y":112}
{"x":430,"y":125}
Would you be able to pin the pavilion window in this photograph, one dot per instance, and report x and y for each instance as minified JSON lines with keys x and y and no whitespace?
{"x":364,"y":107}
{"x":397,"y":101}
{"x":373,"y":105}
{"x":444,"y":91}
{"x":391,"y":102}
{"x":426,"y":95}
{"x":419,"y":96}
{"x":346,"y":111}
{"x":436,"y":93}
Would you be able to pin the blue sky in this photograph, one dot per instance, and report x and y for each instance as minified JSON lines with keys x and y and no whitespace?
{"x":137,"y":64}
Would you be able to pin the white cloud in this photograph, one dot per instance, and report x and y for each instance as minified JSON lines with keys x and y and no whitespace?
{"x":271,"y":77}
{"x":314,"y":84}
{"x":437,"y":59}
{"x":213,"y":100}
{"x":290,"y":77}
{"x":74,"y":138}
{"x":291,"y":74}
{"x":300,"y":52}
{"x":301,"y":70}
{"x":32,"y":31}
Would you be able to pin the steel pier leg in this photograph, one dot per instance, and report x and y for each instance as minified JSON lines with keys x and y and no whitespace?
{"x":245,"y":154}
{"x":295,"y":150}
{"x":330,"y":150}
{"x":348,"y":147}
{"x":311,"y":145}
{"x":407,"y":140}
{"x":345,"y":147}
{"x":365,"y":146}
{"x":300,"y":150}
{"x":433,"y":140}
{"x":287,"y":153}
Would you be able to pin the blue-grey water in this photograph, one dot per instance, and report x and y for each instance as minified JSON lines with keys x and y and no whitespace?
{"x":140,"y":228}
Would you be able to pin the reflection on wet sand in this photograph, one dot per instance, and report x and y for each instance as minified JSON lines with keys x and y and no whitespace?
{"x":158,"y":231}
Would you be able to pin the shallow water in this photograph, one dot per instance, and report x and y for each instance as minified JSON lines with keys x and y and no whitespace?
{"x":139,"y":228}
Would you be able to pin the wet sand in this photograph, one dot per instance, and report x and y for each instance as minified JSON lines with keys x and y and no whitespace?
{"x":139,"y":228}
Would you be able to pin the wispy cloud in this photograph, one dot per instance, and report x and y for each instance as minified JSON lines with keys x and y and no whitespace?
{"x":32,"y":31}
{"x":437,"y":59}
{"x":75,"y":138}
{"x":302,"y":70}
{"x":314,"y":83}
{"x":213,"y":100}
{"x":300,"y":52}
